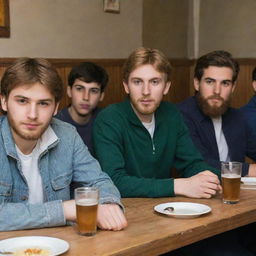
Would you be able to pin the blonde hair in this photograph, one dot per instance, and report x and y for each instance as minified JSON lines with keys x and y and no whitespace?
{"x":142,"y":56}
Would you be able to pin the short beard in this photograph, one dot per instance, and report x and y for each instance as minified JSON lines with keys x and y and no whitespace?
{"x":26,"y":136}
{"x":212,"y":111}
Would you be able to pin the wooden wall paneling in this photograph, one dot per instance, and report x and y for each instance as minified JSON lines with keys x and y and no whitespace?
{"x":244,"y":91}
{"x":182,"y":79}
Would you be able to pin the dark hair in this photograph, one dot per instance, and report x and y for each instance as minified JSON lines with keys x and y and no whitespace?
{"x":30,"y":71}
{"x":89,"y":72}
{"x":142,"y":56}
{"x":254,"y":74}
{"x":217,"y":59}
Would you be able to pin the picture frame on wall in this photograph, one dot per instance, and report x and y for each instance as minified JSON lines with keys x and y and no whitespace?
{"x":111,"y":6}
{"x":4,"y":18}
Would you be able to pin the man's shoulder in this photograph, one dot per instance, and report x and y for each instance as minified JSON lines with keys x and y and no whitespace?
{"x":167,"y":107}
{"x":62,"y":114}
{"x":60,"y":126}
{"x":112,"y":111}
{"x":187,"y":105}
{"x":250,"y":107}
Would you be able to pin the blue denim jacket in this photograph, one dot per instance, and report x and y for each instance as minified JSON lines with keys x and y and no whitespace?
{"x":65,"y":163}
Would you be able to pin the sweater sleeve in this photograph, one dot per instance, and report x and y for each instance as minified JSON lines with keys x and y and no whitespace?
{"x":188,"y":159}
{"x":110,"y":150}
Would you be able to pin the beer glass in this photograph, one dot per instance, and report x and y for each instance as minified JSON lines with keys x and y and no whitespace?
{"x":231,"y":178}
{"x":86,"y":210}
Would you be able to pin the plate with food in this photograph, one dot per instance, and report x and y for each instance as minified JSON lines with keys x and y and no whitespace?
{"x":33,"y":246}
{"x":182,"y":209}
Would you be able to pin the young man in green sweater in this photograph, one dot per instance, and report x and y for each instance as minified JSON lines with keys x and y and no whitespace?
{"x":138,"y":141}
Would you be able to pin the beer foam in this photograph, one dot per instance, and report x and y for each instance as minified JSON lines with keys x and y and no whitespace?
{"x":87,"y":202}
{"x":230,"y":175}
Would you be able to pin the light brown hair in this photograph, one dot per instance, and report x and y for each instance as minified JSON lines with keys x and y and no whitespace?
{"x":30,"y":71}
{"x":142,"y":56}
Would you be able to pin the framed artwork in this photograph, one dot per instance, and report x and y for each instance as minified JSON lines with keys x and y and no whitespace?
{"x":111,"y":6}
{"x":4,"y":18}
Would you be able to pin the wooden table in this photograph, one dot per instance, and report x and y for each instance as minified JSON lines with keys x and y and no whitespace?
{"x":150,"y":233}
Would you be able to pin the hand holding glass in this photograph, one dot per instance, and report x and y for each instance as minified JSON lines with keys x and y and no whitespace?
{"x":231,"y":179}
{"x":86,"y":210}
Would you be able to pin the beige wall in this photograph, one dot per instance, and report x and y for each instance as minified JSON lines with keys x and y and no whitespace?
{"x":72,"y":29}
{"x":229,"y":25}
{"x":165,"y":26}
{"x":81,"y":29}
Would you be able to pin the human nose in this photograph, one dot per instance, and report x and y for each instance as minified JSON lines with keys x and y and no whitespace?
{"x":32,"y":111}
{"x":146,"y":89}
{"x":86,"y":95}
{"x":217,"y":88}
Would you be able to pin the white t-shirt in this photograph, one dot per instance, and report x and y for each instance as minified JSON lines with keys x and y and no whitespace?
{"x":150,"y":126}
{"x":29,"y":165}
{"x":221,"y":140}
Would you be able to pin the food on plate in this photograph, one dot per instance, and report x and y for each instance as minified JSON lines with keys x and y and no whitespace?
{"x":32,"y":252}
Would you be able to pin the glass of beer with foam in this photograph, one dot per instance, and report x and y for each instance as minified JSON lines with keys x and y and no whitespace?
{"x":87,"y":199}
{"x":231,"y":179}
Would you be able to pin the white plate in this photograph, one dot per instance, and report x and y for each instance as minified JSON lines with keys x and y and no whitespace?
{"x":248,"y":183}
{"x":183,"y":209}
{"x":249,"y":180}
{"x":56,"y":246}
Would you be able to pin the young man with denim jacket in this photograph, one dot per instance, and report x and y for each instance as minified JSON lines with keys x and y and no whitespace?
{"x":42,"y":158}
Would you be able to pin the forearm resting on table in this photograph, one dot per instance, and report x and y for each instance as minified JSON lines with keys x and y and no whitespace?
{"x":109,"y":216}
{"x":202,"y":185}
{"x":252,"y":170}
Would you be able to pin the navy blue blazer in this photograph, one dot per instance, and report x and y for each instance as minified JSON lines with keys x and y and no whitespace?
{"x":202,"y":133}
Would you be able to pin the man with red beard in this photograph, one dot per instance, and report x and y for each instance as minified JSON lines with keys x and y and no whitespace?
{"x":138,"y":141}
{"x":218,"y":131}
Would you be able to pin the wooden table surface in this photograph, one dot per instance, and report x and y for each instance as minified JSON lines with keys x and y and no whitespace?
{"x":150,"y":233}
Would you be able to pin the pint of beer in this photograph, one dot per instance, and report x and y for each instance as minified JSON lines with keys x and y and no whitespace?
{"x":86,"y":210}
{"x":231,"y":178}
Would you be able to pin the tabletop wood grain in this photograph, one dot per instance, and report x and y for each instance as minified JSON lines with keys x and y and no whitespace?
{"x":150,"y":233}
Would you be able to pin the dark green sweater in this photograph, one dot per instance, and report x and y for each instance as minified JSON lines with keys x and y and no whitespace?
{"x":139,"y":165}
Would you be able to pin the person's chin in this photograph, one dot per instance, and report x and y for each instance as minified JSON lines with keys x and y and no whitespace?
{"x":84,"y":113}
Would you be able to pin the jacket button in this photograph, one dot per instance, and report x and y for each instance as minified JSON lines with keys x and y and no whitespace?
{"x":23,"y":198}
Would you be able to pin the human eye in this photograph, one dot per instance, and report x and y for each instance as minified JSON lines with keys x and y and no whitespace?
{"x":21,"y":101}
{"x":155,"y":82}
{"x":226,"y":83}
{"x":94,"y":90}
{"x":44,"y":103}
{"x":209,"y":81}
{"x":78,"y":88}
{"x":136,"y":81}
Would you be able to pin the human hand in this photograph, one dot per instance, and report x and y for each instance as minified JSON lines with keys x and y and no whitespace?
{"x":69,"y":208}
{"x":202,"y":185}
{"x":111,"y":217}
{"x":252,"y":170}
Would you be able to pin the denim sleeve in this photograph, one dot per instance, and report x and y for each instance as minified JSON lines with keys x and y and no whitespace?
{"x":14,"y":216}
{"x":87,"y":172}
